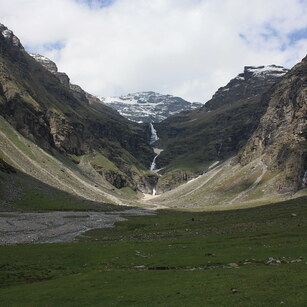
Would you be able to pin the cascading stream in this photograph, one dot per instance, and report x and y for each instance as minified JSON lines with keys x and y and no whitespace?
{"x":153,"y":138}
{"x":153,"y":163}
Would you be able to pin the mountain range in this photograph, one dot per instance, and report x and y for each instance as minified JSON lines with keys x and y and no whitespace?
{"x":138,"y":107}
{"x":149,"y":107}
{"x":246,"y":146}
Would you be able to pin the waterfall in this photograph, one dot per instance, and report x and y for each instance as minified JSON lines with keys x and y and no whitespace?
{"x":154,"y":137}
{"x":153,"y":163}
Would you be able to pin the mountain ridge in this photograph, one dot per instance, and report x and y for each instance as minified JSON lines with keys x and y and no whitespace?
{"x":220,"y":128}
{"x":149,"y":106}
{"x":245,"y":146}
{"x":63,"y":120}
{"x":249,"y":83}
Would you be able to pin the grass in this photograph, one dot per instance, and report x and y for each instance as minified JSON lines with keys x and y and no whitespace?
{"x":33,"y":195}
{"x":172,"y":259}
{"x":101,"y":161}
{"x":191,"y":163}
{"x":9,"y":131}
{"x":42,"y":200}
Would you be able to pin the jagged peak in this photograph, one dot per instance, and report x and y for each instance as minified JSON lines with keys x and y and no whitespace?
{"x":46,"y":62}
{"x":254,"y":80}
{"x":140,"y":97}
{"x":263,"y":71}
{"x":267,"y":68}
{"x":149,"y":106}
{"x":9,"y":36}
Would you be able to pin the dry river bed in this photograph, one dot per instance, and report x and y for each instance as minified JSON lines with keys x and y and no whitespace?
{"x":57,"y":226}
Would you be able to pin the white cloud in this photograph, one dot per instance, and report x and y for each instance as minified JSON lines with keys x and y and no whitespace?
{"x":187,"y":48}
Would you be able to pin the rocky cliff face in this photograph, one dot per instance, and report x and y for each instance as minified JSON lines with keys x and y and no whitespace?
{"x":280,"y":139}
{"x":148,"y":107}
{"x":76,"y":90}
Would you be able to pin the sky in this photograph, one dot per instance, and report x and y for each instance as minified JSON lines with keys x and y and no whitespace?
{"x":187,"y":48}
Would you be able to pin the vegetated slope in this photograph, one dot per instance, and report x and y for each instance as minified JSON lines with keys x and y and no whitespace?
{"x":66,"y":122}
{"x":149,"y":107}
{"x":272,"y":165}
{"x":194,"y":140}
{"x":31,"y":178}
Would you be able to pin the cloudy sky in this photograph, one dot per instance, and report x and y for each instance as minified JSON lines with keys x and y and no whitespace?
{"x":187,"y":48}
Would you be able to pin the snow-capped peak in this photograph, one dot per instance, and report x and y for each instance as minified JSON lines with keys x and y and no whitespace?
{"x":148,"y":106}
{"x":262,"y":72}
{"x":272,"y":70}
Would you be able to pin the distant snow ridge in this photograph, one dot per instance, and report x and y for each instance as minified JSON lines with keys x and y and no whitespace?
{"x":149,"y":106}
{"x":263,"y":71}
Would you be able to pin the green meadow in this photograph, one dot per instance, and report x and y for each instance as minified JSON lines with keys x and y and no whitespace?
{"x":247,"y":257}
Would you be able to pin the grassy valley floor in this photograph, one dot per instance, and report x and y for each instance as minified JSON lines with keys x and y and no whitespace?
{"x":248,"y":257}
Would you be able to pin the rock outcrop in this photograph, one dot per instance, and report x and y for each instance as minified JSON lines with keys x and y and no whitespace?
{"x":9,"y":36}
{"x":172,"y":180}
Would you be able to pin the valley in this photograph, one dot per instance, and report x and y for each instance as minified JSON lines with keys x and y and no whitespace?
{"x":163,"y":202}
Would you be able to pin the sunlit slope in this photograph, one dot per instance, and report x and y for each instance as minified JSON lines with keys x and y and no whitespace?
{"x":56,"y":170}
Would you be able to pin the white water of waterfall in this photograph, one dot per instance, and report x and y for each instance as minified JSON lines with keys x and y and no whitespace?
{"x":153,"y":163}
{"x":154,"y":137}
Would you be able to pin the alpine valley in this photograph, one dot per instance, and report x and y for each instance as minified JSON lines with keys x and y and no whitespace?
{"x":72,"y":164}
{"x":246,"y":144}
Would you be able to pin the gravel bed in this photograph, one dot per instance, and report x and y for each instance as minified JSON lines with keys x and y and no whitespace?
{"x":56,"y":226}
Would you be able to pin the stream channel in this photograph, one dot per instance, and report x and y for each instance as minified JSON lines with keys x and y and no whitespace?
{"x":153,"y":138}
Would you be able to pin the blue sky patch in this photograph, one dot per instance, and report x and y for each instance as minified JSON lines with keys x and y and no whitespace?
{"x":297,"y":35}
{"x":96,"y":4}
{"x":56,"y":45}
{"x":269,"y":33}
{"x":242,"y":36}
